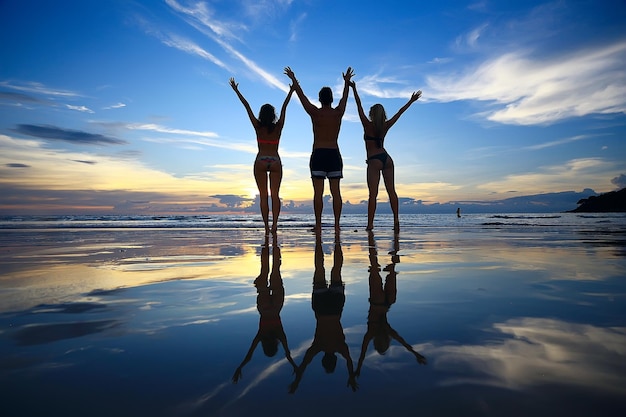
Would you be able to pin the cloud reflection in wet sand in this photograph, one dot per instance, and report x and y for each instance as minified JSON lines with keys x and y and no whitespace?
{"x":540,"y":351}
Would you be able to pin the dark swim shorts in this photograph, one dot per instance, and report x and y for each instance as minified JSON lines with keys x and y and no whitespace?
{"x":328,"y":301}
{"x":326,"y":163}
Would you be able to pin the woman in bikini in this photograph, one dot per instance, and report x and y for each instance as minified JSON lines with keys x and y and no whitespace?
{"x":378,"y":160}
{"x":268,"y":130}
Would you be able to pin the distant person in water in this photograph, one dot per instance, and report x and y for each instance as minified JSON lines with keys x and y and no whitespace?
{"x":269,"y":303}
{"x":378,"y":160}
{"x":326,"y":161}
{"x":458,"y":212}
{"x":268,"y":130}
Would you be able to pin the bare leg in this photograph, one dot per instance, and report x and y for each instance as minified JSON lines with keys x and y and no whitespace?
{"x":276,"y":176}
{"x":337,"y":202}
{"x":260,"y":175}
{"x":373,"y":179}
{"x":388,"y":177}
{"x":318,"y":204}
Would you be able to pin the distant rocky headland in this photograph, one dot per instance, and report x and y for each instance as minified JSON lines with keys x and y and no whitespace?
{"x":611,"y":202}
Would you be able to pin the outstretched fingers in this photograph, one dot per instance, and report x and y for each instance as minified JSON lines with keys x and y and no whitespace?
{"x":348,"y":74}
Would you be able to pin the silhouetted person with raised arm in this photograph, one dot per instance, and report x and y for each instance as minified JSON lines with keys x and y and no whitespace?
{"x":269,"y":302}
{"x":326,"y":161}
{"x":382,"y":297}
{"x":327,"y":302}
{"x":268,"y":130}
{"x":378,"y":160}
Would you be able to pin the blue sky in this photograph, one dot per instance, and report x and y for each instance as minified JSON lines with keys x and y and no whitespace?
{"x":122,"y":106}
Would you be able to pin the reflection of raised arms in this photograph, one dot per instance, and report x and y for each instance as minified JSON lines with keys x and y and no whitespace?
{"x":308,"y":357}
{"x":276,"y":281}
{"x":395,"y":335}
{"x":414,"y":97}
{"x":270,"y":325}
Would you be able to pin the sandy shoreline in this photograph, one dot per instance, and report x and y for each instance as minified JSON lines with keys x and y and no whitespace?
{"x":94,"y":307}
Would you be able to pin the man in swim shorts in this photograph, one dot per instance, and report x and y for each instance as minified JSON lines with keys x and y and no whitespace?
{"x":326,"y":159}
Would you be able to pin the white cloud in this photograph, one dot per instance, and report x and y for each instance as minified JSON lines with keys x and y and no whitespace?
{"x":115,"y":106}
{"x":540,"y":351}
{"x":38,"y":88}
{"x":524,"y":89}
{"x":82,"y":109}
{"x":557,"y":142}
{"x":190,"y":47}
{"x":572,"y":175}
{"x":384,"y":87}
{"x":200,"y":17}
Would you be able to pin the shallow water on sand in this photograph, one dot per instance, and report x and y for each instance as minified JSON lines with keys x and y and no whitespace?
{"x":470,"y":321}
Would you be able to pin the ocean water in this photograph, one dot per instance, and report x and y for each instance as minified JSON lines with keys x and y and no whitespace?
{"x":483,"y":315}
{"x":603,"y":221}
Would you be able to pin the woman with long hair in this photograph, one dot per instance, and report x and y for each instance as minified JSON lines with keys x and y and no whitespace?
{"x":267,"y":163}
{"x":378,"y":160}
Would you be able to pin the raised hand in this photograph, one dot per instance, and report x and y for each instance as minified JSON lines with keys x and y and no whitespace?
{"x":237,"y":375}
{"x":290,"y":74}
{"x":416,"y":95}
{"x":233,"y":84}
{"x":348,"y":74}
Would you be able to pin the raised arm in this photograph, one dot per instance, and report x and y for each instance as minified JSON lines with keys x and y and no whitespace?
{"x":362,"y":115}
{"x":283,"y":341}
{"x":420,"y":359}
{"x":237,"y":374}
{"x":414,"y":97}
{"x":345,"y":352}
{"x":308,"y":106}
{"x":347,"y":76}
{"x":251,"y":115}
{"x":283,"y":109}
{"x":366,"y":341}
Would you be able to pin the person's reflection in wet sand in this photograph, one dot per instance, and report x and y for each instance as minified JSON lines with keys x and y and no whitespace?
{"x":382,"y":297}
{"x":327,"y":302}
{"x":269,"y":301}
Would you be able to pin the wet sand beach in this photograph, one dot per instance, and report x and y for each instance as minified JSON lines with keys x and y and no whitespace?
{"x":473,"y":321}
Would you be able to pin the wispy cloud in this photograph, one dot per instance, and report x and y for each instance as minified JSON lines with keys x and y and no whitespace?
{"x":162,"y":129}
{"x":471,"y":38}
{"x":181,"y":137}
{"x":19,"y":97}
{"x":38,"y":88}
{"x":115,"y":106}
{"x":190,"y":47}
{"x":295,"y":25}
{"x":82,"y":109}
{"x":384,"y":87}
{"x":557,"y":142}
{"x":578,"y":173}
{"x":201,"y":17}
{"x":538,"y":352}
{"x":525,"y":89}
{"x":67,"y":135}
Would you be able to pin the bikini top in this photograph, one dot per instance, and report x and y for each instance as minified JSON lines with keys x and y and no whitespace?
{"x":268,"y":141}
{"x":379,"y":141}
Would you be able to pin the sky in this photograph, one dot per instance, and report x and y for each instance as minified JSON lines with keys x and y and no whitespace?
{"x":124,"y":106}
